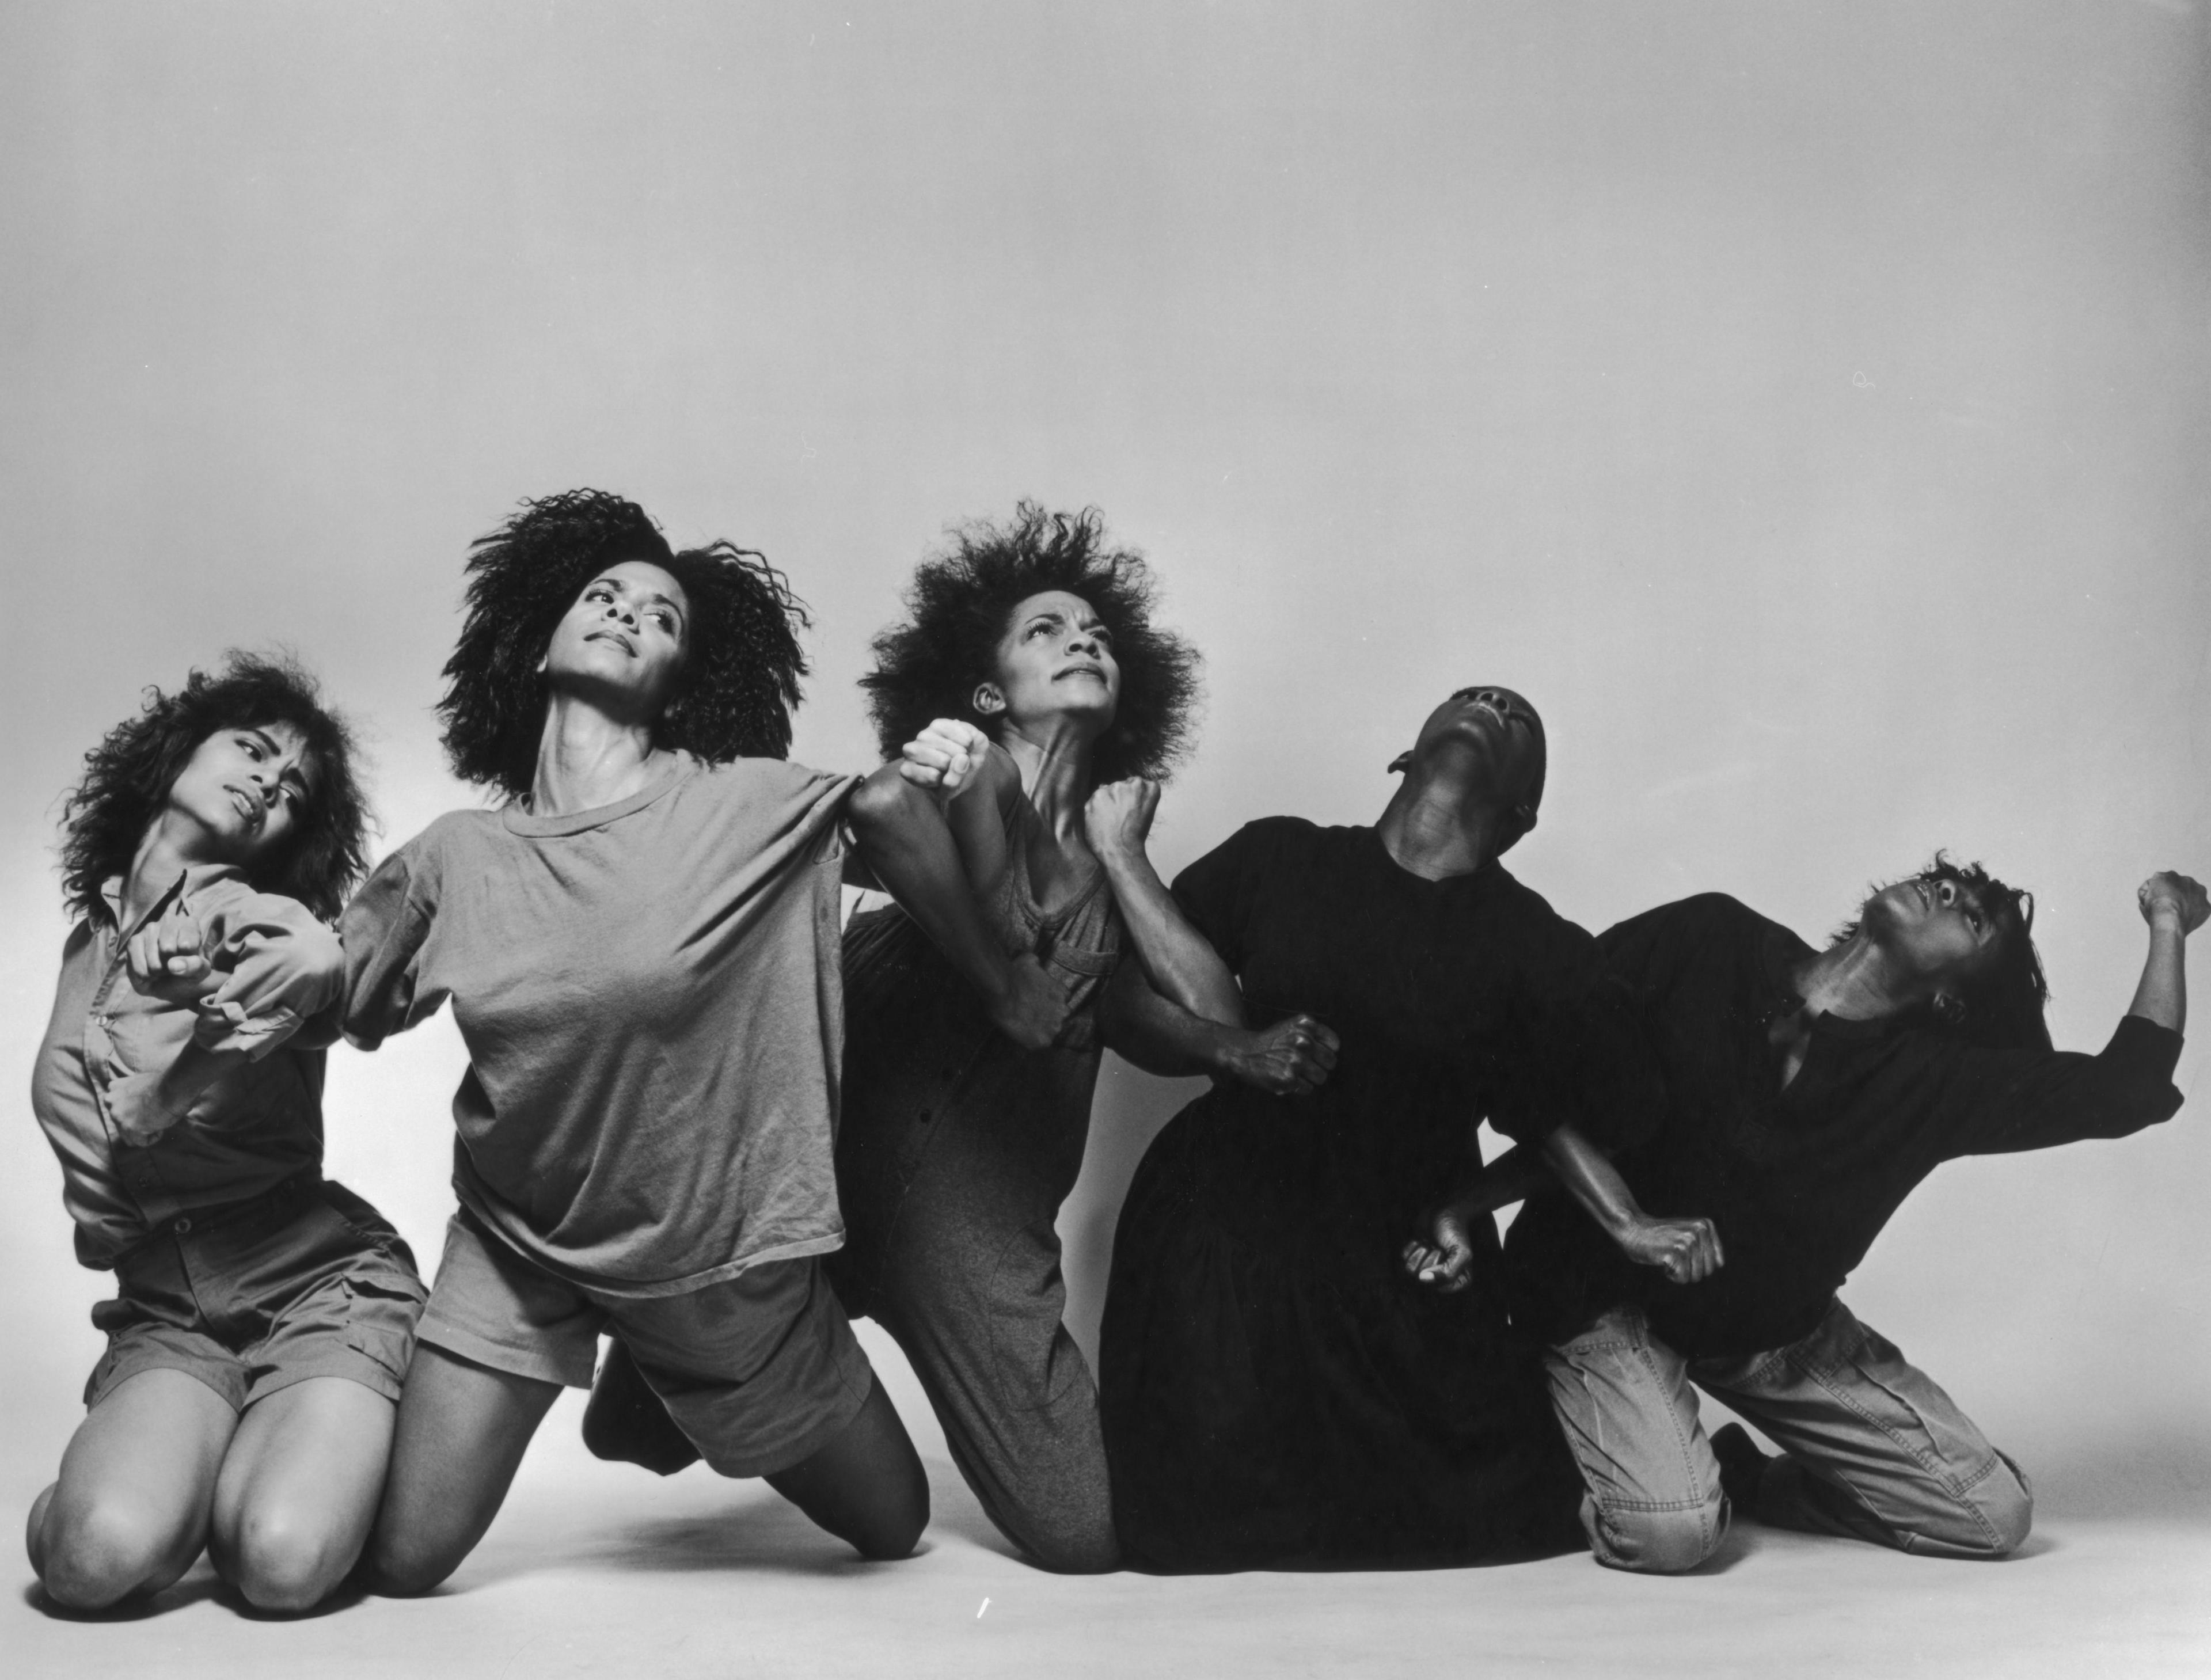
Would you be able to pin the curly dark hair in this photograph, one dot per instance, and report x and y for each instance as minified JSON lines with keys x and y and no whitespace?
{"x":2005,"y":998}
{"x":128,"y":776}
{"x":961,"y":601}
{"x":739,"y":678}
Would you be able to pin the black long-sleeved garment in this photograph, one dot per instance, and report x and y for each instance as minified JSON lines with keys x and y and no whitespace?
{"x":1275,"y":1389}
{"x":1799,"y":1181}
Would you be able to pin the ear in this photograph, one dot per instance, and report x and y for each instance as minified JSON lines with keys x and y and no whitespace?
{"x":1402,"y":763}
{"x":989,"y":698}
{"x":1949,"y":1008}
{"x":1526,"y":817}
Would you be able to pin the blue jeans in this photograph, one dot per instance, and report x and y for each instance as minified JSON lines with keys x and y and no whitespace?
{"x":1872,"y":1448}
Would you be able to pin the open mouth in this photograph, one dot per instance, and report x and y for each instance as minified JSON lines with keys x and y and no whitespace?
{"x":249,"y":808}
{"x":1084,"y":670}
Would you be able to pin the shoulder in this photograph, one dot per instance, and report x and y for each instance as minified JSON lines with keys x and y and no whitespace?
{"x":1545,"y":939}
{"x":746,"y":802}
{"x":1260,"y":844}
{"x":452,"y":843}
{"x":745,"y":779}
{"x":1702,"y":916}
{"x":1711,"y":932}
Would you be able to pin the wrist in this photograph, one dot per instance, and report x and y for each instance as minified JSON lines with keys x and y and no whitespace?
{"x":2164,"y":918}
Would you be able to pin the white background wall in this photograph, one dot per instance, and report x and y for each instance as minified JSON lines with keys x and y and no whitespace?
{"x":1807,"y":405}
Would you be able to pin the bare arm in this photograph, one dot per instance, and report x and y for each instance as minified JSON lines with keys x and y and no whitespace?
{"x":1685,"y":1250}
{"x":974,"y":782}
{"x":1442,"y":1255}
{"x":2174,"y":907}
{"x":1177,"y":960}
{"x":1289,"y":1058}
{"x":906,"y":845}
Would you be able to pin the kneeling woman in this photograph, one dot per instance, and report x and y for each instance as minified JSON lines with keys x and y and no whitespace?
{"x":1274,"y":1393}
{"x":1031,"y":691}
{"x":263,"y":1317}
{"x":640,"y":950}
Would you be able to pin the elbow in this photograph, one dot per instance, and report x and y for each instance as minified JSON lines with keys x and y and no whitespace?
{"x":881,"y":803}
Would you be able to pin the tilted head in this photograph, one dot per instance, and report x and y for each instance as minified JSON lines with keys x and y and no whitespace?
{"x":1491,"y":739}
{"x":1037,"y":614}
{"x":254,"y":768}
{"x":581,"y":591}
{"x":1964,"y":942}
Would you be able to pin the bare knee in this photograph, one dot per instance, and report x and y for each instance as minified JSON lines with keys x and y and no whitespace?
{"x":93,"y":1558}
{"x":1664,"y":1542}
{"x":286,"y":1563}
{"x":1088,"y":1554}
{"x":891,"y":1528}
{"x":404,"y":1566}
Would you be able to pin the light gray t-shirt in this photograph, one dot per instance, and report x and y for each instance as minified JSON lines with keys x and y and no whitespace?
{"x":650,"y":996}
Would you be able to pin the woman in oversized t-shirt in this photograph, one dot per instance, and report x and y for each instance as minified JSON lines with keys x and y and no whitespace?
{"x":1030,"y":690}
{"x":640,"y":948}
{"x":1274,"y":1392}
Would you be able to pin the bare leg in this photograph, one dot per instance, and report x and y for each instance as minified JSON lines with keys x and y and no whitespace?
{"x":299,"y":1489}
{"x":867,"y":1486}
{"x":129,"y":1512}
{"x":462,"y":1429}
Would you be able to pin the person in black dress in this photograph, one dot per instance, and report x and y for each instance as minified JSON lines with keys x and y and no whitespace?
{"x":1273,"y":1392}
{"x":1808,"y":1091}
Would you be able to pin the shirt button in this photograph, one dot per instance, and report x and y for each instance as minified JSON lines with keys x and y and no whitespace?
{"x":182,"y":1226}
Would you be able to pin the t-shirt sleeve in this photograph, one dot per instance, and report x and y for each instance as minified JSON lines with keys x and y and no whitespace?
{"x":383,"y":931}
{"x":1216,"y":892}
{"x":277,"y":967}
{"x":2001,"y":1101}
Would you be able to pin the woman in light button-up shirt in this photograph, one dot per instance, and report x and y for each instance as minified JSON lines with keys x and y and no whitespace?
{"x":263,"y":1319}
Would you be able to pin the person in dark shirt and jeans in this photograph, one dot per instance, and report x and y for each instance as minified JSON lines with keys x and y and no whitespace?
{"x":1808,"y":1092}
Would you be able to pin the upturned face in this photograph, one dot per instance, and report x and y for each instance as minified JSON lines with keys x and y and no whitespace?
{"x":624,"y":639}
{"x":1500,"y":729}
{"x":242,"y":794}
{"x":1935,"y":930}
{"x":1056,"y":659}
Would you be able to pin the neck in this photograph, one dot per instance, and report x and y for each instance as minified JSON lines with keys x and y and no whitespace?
{"x":1854,"y":980}
{"x":1436,"y":829}
{"x":586,"y":758}
{"x":164,"y":851}
{"x":1057,"y":768}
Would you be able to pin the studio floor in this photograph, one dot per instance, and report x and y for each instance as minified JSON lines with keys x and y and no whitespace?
{"x":597,"y":1570}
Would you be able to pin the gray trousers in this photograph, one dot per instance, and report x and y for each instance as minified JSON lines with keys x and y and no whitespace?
{"x":1873,"y":1449}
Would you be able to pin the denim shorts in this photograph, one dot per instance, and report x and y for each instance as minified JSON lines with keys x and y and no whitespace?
{"x":305,"y":1281}
{"x":759,"y":1370}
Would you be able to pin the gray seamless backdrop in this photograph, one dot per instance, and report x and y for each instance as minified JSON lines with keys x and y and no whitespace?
{"x":1807,"y":405}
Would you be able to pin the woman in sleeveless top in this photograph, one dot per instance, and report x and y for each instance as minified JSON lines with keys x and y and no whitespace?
{"x":1027,"y":681}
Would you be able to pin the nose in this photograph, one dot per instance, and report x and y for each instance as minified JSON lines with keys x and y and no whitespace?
{"x":620,"y":611}
{"x":1083,"y":641}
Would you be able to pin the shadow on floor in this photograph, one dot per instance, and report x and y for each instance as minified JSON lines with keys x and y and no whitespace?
{"x":199,"y":1584}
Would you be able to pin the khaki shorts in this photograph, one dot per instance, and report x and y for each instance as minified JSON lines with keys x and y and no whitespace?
{"x":307,"y":1281}
{"x":758,"y":1371}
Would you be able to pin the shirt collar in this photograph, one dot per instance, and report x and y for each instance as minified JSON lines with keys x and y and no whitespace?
{"x":192,"y":878}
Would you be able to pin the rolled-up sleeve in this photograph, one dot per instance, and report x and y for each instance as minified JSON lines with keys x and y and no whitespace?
{"x":1998,"y":1101}
{"x":278,"y":964}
